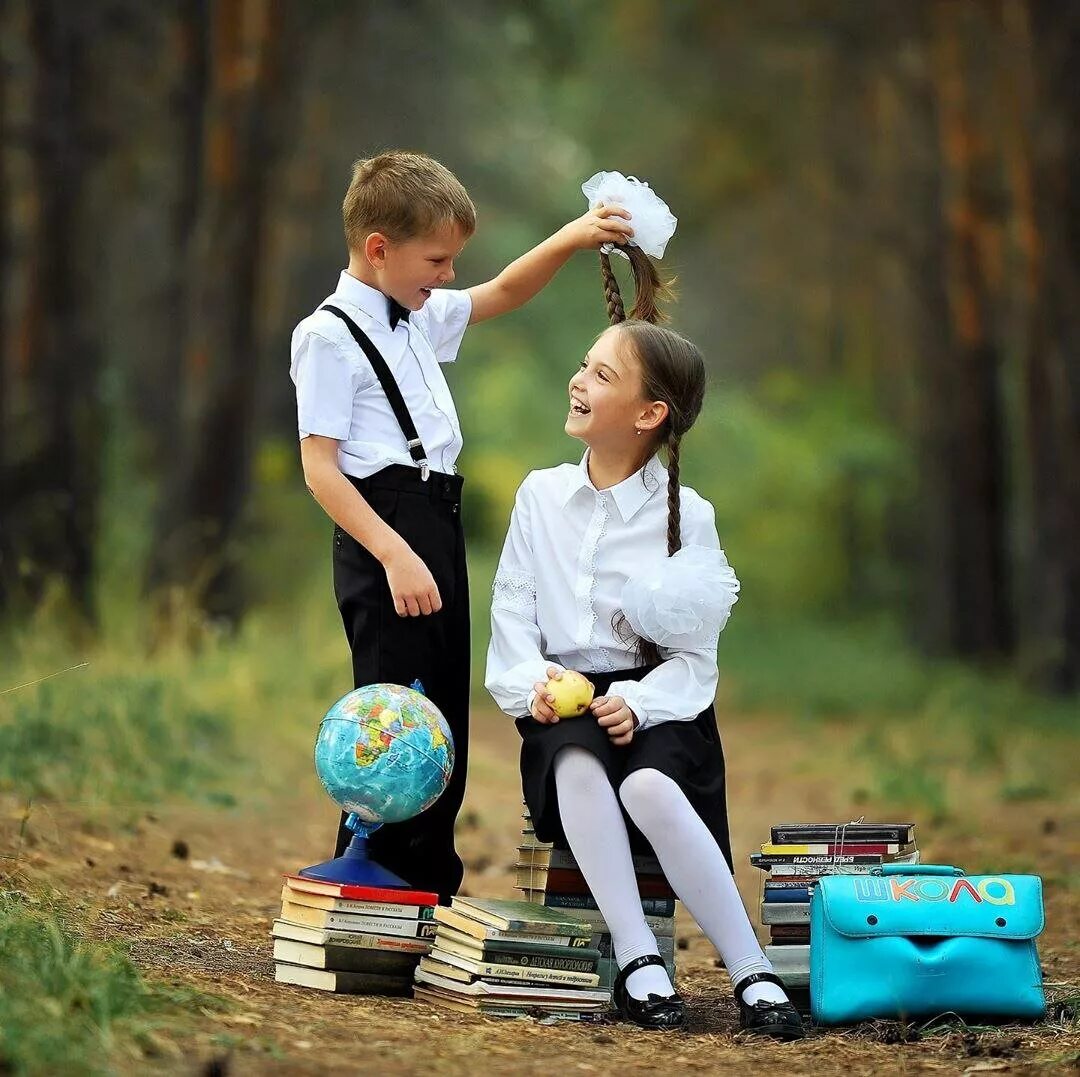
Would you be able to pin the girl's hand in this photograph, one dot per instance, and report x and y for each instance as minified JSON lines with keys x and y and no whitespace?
{"x":615,"y":717}
{"x":606,"y":224}
{"x":541,"y":708}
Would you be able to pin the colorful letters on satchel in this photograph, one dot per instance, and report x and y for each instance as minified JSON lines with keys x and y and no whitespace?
{"x":917,"y":941}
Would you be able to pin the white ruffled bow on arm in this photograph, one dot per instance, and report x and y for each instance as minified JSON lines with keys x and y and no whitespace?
{"x":651,"y":219}
{"x":681,"y":603}
{"x":515,"y":661}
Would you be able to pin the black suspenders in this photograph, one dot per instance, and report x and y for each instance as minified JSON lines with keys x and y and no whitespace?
{"x":390,"y":387}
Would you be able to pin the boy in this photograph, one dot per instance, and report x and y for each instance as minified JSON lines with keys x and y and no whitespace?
{"x":379,"y":437}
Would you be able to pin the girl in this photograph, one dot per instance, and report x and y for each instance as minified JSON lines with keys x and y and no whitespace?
{"x":648,"y":746}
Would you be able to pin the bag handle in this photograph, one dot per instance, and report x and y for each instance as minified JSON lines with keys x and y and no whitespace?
{"x":920,"y":869}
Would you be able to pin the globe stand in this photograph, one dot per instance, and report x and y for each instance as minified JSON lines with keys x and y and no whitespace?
{"x":353,"y":866}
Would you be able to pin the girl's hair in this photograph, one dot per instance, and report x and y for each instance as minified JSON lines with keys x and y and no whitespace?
{"x":672,"y":370}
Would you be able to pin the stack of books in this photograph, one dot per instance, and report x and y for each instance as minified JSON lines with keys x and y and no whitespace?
{"x":359,"y":940}
{"x":512,"y":959}
{"x":796,"y":857}
{"x":549,"y":876}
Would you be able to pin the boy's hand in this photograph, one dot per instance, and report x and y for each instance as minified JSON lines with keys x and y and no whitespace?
{"x":541,"y":708}
{"x":411,"y":583}
{"x":615,"y":717}
{"x":605,"y":224}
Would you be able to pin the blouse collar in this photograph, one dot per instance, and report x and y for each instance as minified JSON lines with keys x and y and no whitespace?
{"x":628,"y":495}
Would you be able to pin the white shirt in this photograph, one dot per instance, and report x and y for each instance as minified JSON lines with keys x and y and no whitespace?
{"x":568,"y":552}
{"x":338,"y":395}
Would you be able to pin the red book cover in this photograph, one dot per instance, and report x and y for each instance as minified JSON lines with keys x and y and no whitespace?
{"x":362,"y":893}
{"x":569,"y":881}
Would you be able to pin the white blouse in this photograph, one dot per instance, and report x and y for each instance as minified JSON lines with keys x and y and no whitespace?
{"x":569,"y":551}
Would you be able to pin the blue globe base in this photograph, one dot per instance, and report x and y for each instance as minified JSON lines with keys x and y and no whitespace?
{"x":353,"y":866}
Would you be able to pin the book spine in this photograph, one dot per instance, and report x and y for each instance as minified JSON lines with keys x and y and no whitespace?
{"x":795,"y":834}
{"x":821,"y":849}
{"x":367,"y":908}
{"x":516,"y":976}
{"x":540,"y":961}
{"x":795,"y":872}
{"x":423,"y":929}
{"x":649,"y":906}
{"x":760,"y":860}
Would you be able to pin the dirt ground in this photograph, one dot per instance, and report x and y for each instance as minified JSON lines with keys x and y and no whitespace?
{"x":194,"y":890}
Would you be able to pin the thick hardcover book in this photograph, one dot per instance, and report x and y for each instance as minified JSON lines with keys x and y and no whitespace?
{"x":518,"y":992}
{"x":791,"y":964}
{"x":796,"y":872}
{"x":455,"y":967}
{"x":362,"y":893}
{"x":786,"y":894}
{"x":770,"y":849}
{"x":350,"y":921}
{"x":365,"y":908}
{"x":801,"y":932}
{"x":315,"y":936}
{"x":795,"y":912}
{"x":571,"y":881}
{"x":798,"y":833}
{"x":521,"y":916}
{"x":346,"y":958}
{"x":649,"y":906}
{"x":342,"y":983}
{"x":468,"y":926}
{"x":759,"y":860}
{"x":585,"y":1013}
{"x":553,"y":857}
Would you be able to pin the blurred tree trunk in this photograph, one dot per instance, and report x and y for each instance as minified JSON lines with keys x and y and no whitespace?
{"x":193,"y":554}
{"x":1044,"y":170}
{"x":52,"y":446}
{"x":967,"y":477}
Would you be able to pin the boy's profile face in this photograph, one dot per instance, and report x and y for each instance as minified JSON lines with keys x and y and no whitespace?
{"x":410,"y":269}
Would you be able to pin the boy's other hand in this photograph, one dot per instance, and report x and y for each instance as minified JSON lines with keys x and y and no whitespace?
{"x":411,"y":583}
{"x":615,"y":718}
{"x":541,"y":708}
{"x":605,"y":224}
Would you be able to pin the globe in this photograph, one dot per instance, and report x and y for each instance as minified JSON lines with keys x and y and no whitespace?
{"x":384,"y":753}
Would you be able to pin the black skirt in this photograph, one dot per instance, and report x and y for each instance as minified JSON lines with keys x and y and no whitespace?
{"x":689,"y":753}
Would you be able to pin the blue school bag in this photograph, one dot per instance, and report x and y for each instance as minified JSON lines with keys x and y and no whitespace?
{"x":922,"y":940}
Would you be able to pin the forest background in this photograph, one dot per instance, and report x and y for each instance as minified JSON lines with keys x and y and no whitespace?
{"x":878,"y":251}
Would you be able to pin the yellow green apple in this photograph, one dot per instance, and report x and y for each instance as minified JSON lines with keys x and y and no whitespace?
{"x":573,"y":693}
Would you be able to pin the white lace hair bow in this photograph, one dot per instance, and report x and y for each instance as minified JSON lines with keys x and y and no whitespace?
{"x":682,"y":600}
{"x":652,"y":221}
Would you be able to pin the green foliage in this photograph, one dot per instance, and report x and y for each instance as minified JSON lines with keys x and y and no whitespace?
{"x":66,"y":1004}
{"x":121,"y":738}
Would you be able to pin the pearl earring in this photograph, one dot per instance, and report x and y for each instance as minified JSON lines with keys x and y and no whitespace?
{"x":639,"y":430}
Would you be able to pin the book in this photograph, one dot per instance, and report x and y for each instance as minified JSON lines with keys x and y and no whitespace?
{"x":350,"y":921}
{"x":342,"y":983}
{"x":521,"y":916}
{"x":346,"y":958}
{"x":362,"y":893}
{"x":284,"y":929}
{"x":504,"y":1008}
{"x":771,"y":849}
{"x":649,"y":906}
{"x":367,"y":908}
{"x":658,"y":925}
{"x":794,"y":912}
{"x":791,"y":964}
{"x":795,"y":872}
{"x":468,"y":926}
{"x":791,"y":930}
{"x":571,"y":881}
{"x":786,"y":894}
{"x":553,"y":857}
{"x":575,"y":957}
{"x":759,"y":860}
{"x":665,"y":946}
{"x":797,"y":833}
{"x":520,"y":992}
{"x":460,"y":968}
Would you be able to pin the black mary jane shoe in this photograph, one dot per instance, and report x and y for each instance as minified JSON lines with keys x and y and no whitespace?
{"x":777,"y":1020}
{"x":657,"y":1011}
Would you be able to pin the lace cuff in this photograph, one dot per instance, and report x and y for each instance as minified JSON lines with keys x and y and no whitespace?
{"x":514,"y":592}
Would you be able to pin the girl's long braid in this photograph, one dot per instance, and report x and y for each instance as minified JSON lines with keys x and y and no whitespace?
{"x":674,"y":503}
{"x":612,"y":296}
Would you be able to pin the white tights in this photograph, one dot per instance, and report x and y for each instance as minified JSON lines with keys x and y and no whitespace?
{"x":687,"y":851}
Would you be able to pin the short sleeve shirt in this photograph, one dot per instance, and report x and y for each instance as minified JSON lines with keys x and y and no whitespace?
{"x":339,"y":396}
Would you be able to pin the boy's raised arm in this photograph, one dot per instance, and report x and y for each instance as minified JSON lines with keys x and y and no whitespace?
{"x":527,"y":275}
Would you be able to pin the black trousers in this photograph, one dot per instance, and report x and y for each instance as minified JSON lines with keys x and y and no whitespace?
{"x":433,"y":649}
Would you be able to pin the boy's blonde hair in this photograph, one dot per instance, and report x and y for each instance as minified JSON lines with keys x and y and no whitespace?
{"x":403,"y":195}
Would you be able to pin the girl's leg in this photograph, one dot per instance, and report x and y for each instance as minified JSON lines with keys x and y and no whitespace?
{"x":596,"y":831}
{"x":697,"y":871}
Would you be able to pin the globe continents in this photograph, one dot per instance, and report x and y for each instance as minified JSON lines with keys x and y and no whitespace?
{"x":384,"y":752}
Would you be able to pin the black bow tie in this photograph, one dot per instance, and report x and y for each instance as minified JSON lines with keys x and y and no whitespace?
{"x":397,"y":312}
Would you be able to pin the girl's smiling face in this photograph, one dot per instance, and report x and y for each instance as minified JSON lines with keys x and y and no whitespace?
{"x":606,"y":403}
